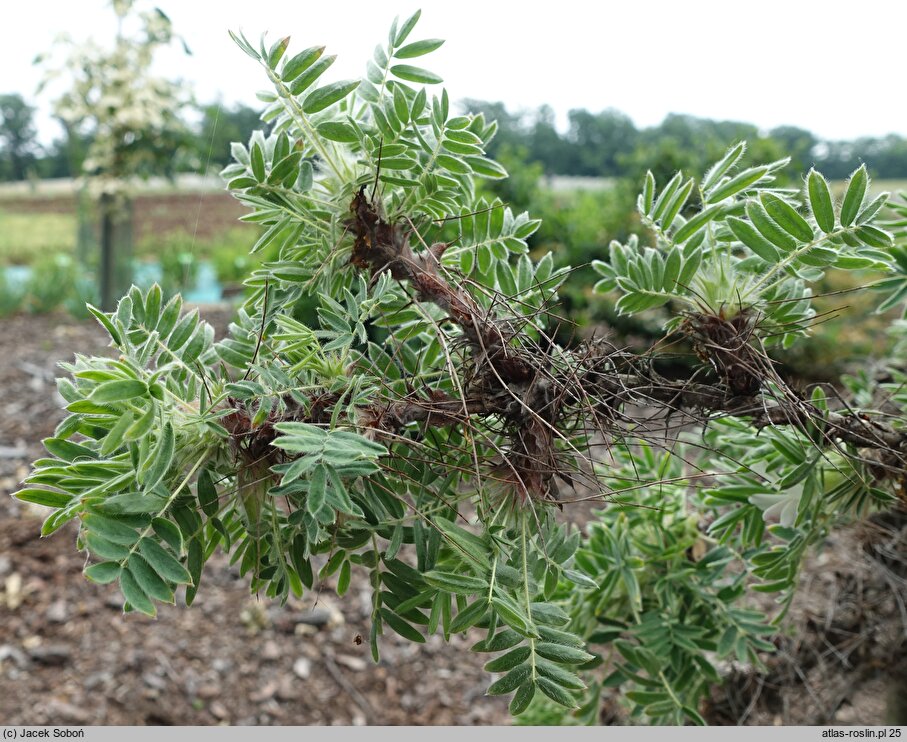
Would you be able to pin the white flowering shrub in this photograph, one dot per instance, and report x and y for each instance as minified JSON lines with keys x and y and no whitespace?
{"x":132,"y":115}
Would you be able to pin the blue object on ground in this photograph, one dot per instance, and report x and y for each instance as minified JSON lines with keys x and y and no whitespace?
{"x":207,"y":289}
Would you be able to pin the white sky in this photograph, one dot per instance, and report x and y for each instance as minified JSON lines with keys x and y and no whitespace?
{"x":832,"y":67}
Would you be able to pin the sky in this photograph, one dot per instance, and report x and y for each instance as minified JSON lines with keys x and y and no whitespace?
{"x":833,"y":68}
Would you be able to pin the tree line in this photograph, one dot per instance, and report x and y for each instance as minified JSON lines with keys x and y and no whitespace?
{"x":604,"y":144}
{"x":609,"y":144}
{"x":204,"y":142}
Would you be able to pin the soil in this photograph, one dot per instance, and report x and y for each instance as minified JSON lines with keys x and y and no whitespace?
{"x":842,"y":653}
{"x":68,"y":654}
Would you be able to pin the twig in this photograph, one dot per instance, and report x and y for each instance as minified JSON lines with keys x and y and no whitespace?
{"x":360,"y":700}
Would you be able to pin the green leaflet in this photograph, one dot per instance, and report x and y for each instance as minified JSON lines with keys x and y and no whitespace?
{"x":854,"y":195}
{"x":418,"y":48}
{"x":556,"y":693}
{"x":103,"y":572}
{"x":749,"y":236}
{"x":510,"y":682}
{"x":148,"y":580}
{"x":820,"y":202}
{"x":163,"y":563}
{"x":522,"y":698}
{"x":111,"y":529}
{"x":161,"y":459}
{"x":415,"y":74}
{"x":469,"y":616}
{"x":330,"y":94}
{"x":135,"y":595}
{"x":456,"y":583}
{"x":300,"y":62}
{"x":509,"y":660}
{"x":45,"y":497}
{"x":787,"y":217}
{"x":769,"y":229}
{"x":207,"y":493}
{"x":469,"y":545}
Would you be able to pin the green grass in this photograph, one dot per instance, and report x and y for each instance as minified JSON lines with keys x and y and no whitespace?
{"x":27,"y":238}
{"x":24,"y":238}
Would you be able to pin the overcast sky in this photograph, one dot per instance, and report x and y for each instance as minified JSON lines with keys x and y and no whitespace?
{"x":834,"y":68}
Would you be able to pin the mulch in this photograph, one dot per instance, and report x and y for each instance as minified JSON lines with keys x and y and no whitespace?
{"x":68,"y":654}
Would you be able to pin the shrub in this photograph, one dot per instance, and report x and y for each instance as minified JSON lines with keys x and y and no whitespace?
{"x":425,"y":429}
{"x":51,"y":283}
{"x":230,"y":256}
{"x":11,"y":296}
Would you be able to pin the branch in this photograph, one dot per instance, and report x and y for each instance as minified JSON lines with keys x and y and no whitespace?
{"x":380,"y":245}
{"x":855,"y":428}
{"x":541,"y":398}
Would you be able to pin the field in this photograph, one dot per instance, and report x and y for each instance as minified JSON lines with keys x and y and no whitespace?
{"x":33,"y":226}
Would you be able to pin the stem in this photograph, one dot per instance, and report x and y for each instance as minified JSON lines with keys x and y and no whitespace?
{"x":107,"y":270}
{"x":669,"y":295}
{"x":526,"y":594}
{"x":407,"y":206}
{"x":292,"y":107}
{"x":661,"y":676}
{"x":144,"y":534}
{"x":667,"y":687}
{"x":793,"y":256}
{"x":288,"y":208}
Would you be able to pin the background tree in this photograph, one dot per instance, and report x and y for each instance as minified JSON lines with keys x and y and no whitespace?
{"x":600,"y":140}
{"x":511,"y":130}
{"x":220,"y":126}
{"x":798,"y":144}
{"x":65,"y":155}
{"x":132,"y":118}
{"x":18,"y":137}
{"x":547,"y":146}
